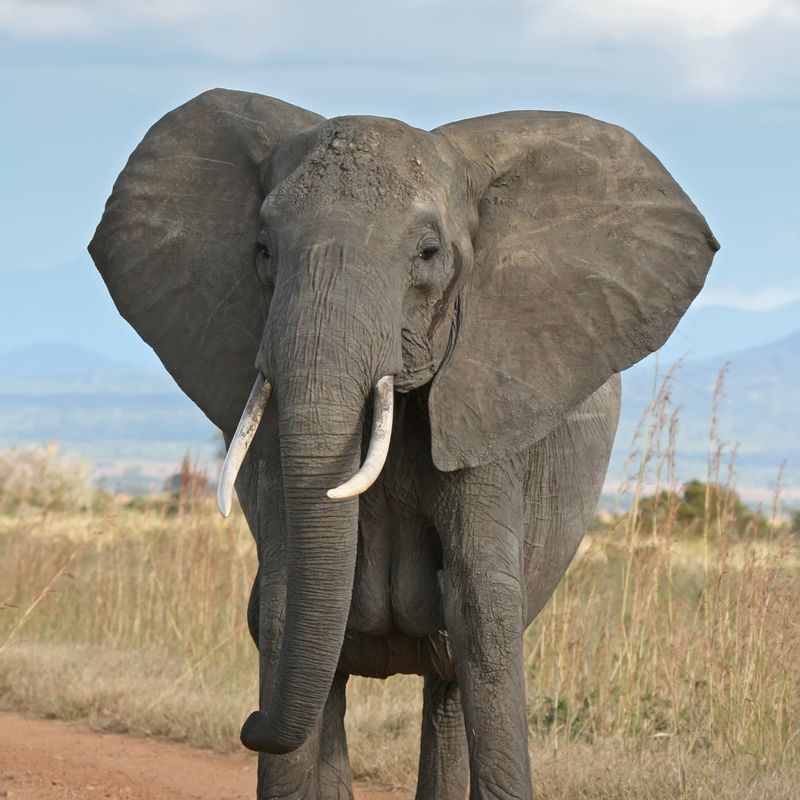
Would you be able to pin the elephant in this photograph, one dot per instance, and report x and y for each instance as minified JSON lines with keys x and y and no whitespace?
{"x":425,"y":330}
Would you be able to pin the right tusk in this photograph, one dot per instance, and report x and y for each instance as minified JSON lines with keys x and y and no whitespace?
{"x":245,"y":431}
{"x":382,"y":416}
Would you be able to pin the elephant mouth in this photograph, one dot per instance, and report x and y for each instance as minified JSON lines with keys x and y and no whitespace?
{"x":411,"y":379}
{"x":421,"y":360}
{"x":382,"y":419}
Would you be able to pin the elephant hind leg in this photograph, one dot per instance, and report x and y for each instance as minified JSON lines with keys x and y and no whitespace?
{"x":443,"y":757}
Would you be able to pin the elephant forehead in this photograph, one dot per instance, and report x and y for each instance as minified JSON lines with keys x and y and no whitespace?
{"x":366,"y":165}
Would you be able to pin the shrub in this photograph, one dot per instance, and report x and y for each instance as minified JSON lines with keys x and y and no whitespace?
{"x":698,"y":507}
{"x":40,"y":476}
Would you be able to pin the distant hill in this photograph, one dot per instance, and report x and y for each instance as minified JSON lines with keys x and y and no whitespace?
{"x":760,"y":410}
{"x":134,"y":421}
{"x":55,"y":368}
{"x":712,"y":331}
{"x":70,"y":304}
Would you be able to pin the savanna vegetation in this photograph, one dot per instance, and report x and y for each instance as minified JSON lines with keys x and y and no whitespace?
{"x":667,"y":665}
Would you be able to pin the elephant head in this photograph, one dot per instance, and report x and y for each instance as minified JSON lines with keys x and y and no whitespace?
{"x":512,"y":263}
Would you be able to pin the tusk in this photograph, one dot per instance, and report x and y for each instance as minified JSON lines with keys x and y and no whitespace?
{"x":383,"y":414}
{"x":245,"y":431}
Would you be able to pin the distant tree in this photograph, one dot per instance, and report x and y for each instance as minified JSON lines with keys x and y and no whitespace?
{"x":189,"y":484}
{"x":698,"y":505}
{"x":723,"y":503}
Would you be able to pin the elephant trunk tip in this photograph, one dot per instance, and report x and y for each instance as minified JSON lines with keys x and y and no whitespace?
{"x":256,"y":735}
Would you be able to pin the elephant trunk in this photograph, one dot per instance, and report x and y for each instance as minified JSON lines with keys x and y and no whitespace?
{"x":322,"y":548}
{"x":322,"y":536}
{"x":323,"y":353}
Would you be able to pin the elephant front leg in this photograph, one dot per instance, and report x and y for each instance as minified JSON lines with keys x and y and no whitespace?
{"x":291,"y":776}
{"x":334,"y":765}
{"x":319,"y":769}
{"x":294,"y":775}
{"x":481,"y":526}
{"x":443,"y":765}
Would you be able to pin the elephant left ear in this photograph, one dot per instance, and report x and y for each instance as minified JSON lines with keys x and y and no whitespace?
{"x":587,"y":255}
{"x":176,"y":244}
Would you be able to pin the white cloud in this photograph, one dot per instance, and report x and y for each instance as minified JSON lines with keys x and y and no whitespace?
{"x":228,"y":29}
{"x":766,"y":299}
{"x":693,"y":19}
{"x":617,"y":19}
{"x":708,"y":48}
{"x":43,"y":20}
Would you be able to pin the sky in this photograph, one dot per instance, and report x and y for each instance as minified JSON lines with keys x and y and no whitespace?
{"x":711,"y":86}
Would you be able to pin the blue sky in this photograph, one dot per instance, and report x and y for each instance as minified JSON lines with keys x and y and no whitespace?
{"x":711,"y":86}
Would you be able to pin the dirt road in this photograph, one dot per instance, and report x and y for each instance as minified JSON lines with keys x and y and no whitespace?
{"x":48,"y":759}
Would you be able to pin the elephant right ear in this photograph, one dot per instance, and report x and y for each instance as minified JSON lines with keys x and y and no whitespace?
{"x":586,"y":255}
{"x":177,"y":240}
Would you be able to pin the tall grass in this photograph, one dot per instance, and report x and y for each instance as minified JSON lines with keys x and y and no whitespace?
{"x":667,"y":664}
{"x":147,"y":622}
{"x":655,"y":634}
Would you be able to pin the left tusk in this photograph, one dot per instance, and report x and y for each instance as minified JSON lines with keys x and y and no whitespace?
{"x":382,"y":416}
{"x":245,"y":431}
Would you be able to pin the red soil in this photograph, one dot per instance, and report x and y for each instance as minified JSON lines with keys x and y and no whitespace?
{"x":48,"y":759}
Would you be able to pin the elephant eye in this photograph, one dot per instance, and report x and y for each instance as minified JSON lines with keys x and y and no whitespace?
{"x":428,"y":252}
{"x":265,"y":266}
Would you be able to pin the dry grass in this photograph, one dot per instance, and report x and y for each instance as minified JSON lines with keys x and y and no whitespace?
{"x":685,"y":685}
{"x":663,"y":667}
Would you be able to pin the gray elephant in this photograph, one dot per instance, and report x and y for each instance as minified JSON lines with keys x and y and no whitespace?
{"x":451,"y":308}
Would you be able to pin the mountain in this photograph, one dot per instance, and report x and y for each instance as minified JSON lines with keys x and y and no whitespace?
{"x":60,"y":359}
{"x":70,"y":304}
{"x":55,"y":368}
{"x":129,"y":417}
{"x":759,"y":410}
{"x":708,"y":331}
{"x":132,"y":422}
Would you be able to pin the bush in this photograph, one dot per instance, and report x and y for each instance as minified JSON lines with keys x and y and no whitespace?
{"x":40,"y":476}
{"x":698,"y":508}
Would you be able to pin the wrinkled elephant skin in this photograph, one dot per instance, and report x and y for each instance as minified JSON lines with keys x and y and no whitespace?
{"x":475,"y":291}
